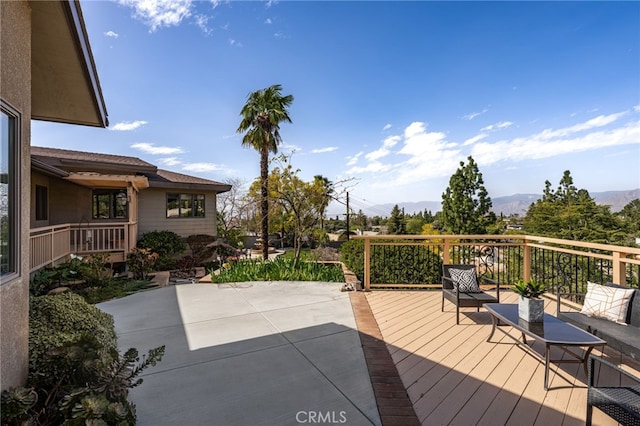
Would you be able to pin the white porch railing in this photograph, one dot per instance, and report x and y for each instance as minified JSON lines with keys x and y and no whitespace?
{"x":53,"y":243}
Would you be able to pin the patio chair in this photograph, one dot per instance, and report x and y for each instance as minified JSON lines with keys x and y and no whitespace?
{"x":621,"y":403}
{"x":463,"y":290}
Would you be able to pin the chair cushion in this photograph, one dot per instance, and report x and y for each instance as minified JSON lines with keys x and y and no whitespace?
{"x":464,"y":280}
{"x":607,"y":302}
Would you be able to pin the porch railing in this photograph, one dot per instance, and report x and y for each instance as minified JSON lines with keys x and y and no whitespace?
{"x":405,"y":261}
{"x":51,"y":244}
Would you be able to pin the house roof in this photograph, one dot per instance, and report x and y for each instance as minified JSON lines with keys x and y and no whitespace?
{"x":87,"y":167}
{"x":80,"y":161}
{"x":64,"y":80}
{"x":168,"y":179}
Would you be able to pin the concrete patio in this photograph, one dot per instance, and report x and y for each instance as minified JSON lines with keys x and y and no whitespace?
{"x":256,"y":353}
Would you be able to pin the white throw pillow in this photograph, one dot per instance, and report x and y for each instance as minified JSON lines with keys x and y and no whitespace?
{"x":607,"y":302}
{"x":464,"y":280}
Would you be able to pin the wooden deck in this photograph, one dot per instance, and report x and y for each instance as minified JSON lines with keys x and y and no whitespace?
{"x":453,"y":376}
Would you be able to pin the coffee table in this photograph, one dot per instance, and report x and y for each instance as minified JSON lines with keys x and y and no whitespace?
{"x":552,"y":331}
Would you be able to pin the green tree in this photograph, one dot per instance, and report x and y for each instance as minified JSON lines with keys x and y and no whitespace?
{"x":396,"y":223}
{"x":327,"y":192}
{"x":630,"y":217}
{"x":261,"y":115}
{"x":570,"y":213}
{"x":466,"y":204}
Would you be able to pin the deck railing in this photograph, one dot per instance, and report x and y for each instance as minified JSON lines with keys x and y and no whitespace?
{"x":405,"y":261}
{"x":51,"y":244}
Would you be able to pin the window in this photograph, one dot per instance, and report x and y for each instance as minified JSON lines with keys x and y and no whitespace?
{"x":109,"y":204}
{"x":42,"y":202}
{"x":185,"y":205}
{"x":9,"y":190}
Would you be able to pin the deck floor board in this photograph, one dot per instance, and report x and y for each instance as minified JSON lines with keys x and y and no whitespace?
{"x":453,"y":376}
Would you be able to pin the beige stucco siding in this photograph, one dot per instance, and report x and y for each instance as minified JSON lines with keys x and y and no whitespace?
{"x":152,"y":211}
{"x":15,"y":72}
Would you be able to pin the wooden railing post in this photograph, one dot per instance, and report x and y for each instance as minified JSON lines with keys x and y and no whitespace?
{"x":526,"y":261}
{"x":367,"y":264}
{"x":445,"y":253}
{"x":618,"y":274}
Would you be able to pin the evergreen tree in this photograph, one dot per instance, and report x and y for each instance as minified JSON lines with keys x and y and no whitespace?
{"x":395,"y":223}
{"x":570,"y":213}
{"x":465,"y":203}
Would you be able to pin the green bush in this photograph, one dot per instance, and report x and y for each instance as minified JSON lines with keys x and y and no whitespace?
{"x":352,"y":255}
{"x":166,"y":244}
{"x":61,"y":319}
{"x":414,"y":264}
{"x":76,"y":375}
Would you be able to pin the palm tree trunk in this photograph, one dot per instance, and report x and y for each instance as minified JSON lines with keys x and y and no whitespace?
{"x":264,"y":205}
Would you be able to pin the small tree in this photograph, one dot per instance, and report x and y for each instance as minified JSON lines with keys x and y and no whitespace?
{"x":465,"y":203}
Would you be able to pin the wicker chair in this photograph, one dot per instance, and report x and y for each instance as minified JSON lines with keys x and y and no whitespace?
{"x":462,"y":299}
{"x":621,"y":403}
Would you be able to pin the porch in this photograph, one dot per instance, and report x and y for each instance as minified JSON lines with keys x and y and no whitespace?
{"x":53,"y":244}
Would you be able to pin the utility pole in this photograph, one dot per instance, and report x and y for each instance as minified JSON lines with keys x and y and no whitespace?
{"x":348,"y":233}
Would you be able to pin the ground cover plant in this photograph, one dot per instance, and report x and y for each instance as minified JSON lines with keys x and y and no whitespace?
{"x":91,"y":277}
{"x":279,"y":269}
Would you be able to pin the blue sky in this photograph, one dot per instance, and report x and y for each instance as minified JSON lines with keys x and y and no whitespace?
{"x":390,"y":95}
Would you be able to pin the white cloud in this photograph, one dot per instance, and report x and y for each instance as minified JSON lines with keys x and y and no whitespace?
{"x":150,"y":148}
{"x":170,"y":161}
{"x":551,"y":143}
{"x":425,"y":155}
{"x":235,"y":43}
{"x":386,"y":127}
{"x":159,"y":13}
{"x":599,"y":121}
{"x":270,"y":3}
{"x":202,"y":23}
{"x":268,"y":21}
{"x":200,"y":167}
{"x":474,"y":139}
{"x":323,"y":150}
{"x":127,"y":125}
{"x":111,"y":34}
{"x":474,"y":114}
{"x":496,"y":126}
{"x":636,"y":108}
{"x":384,"y":150}
{"x":373,"y":167}
{"x":354,"y":159}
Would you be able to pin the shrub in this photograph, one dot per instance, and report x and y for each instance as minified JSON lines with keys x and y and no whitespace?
{"x":141,"y":261}
{"x":61,"y":319}
{"x":352,"y":255}
{"x":76,"y":376}
{"x":166,"y":244}
{"x":394,"y":264}
{"x":201,"y":247}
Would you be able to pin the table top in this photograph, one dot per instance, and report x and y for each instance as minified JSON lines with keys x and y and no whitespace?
{"x":552,"y":330}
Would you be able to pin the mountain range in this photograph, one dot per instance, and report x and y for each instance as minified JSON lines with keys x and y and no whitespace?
{"x":507,"y":205}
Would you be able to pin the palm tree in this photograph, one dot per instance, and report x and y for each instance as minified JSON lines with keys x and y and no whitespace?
{"x":261,"y":117}
{"x":327,"y":192}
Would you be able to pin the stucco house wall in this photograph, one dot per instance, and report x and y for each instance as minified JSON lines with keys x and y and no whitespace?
{"x":152,"y":214}
{"x":15,"y":89}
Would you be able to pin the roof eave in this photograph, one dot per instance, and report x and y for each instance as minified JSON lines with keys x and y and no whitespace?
{"x":65,"y":84}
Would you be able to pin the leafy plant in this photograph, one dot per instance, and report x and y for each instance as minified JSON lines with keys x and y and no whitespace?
{"x":531,"y":289}
{"x":141,"y":262}
{"x":76,"y":375}
{"x":201,"y":246}
{"x":279,"y":269}
{"x":164,"y":243}
{"x":90,"y":386}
